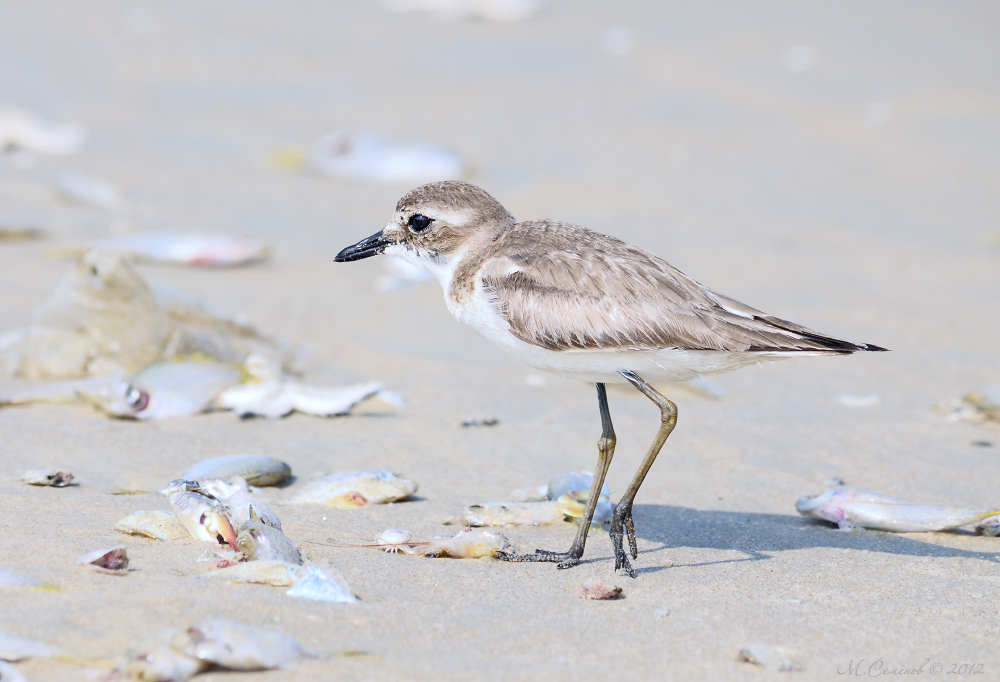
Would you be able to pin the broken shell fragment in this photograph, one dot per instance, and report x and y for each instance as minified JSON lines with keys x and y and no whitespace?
{"x":258,"y":470}
{"x":47,"y":477}
{"x":469,"y":544}
{"x":353,"y":489}
{"x":110,"y":559}
{"x":238,"y":646}
{"x":259,"y":541}
{"x":598,"y":590}
{"x":159,"y":525}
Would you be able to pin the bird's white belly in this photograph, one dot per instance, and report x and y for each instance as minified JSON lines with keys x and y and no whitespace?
{"x":668,"y":364}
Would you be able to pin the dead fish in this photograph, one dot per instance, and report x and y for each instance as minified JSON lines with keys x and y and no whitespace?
{"x":212,"y":250}
{"x":317,"y":586}
{"x":90,"y":191}
{"x":167,"y":389}
{"x":202,"y":514}
{"x":245,"y":508}
{"x":9,"y":673}
{"x":238,"y":646}
{"x":112,"y":559}
{"x":262,"y":572}
{"x":363,"y":156}
{"x":47,"y":477}
{"x":222,"y":489}
{"x":452,"y":10}
{"x":156,"y":660}
{"x":850,"y":508}
{"x":17,"y":648}
{"x":598,"y":590}
{"x":259,"y":541}
{"x":258,"y":470}
{"x":103,"y":317}
{"x":277,"y":399}
{"x":469,"y":544}
{"x":159,"y":525}
{"x":353,"y":489}
{"x":771,"y":657}
{"x":23,"y":131}
{"x":513,"y":514}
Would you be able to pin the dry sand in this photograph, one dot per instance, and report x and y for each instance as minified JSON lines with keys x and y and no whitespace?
{"x":788,"y":191}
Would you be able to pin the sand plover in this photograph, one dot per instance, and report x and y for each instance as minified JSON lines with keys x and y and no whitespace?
{"x":584,"y":305}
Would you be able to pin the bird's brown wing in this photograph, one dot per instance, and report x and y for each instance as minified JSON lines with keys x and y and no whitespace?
{"x":563,"y":287}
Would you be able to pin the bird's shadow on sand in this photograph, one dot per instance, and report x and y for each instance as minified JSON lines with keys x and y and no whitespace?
{"x":759,"y":536}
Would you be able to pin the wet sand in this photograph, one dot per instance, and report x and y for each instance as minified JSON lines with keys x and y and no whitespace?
{"x":796,"y":193}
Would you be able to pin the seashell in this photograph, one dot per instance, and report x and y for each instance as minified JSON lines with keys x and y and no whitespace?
{"x":112,"y":559}
{"x":47,"y":477}
{"x":159,"y":525}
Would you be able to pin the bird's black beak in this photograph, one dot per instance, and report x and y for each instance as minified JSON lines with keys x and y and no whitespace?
{"x":370,"y":246}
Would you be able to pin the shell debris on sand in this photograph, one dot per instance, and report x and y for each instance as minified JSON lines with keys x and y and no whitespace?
{"x":978,"y":406}
{"x":259,"y":470}
{"x":159,"y":525}
{"x":363,"y":156}
{"x":90,"y":191}
{"x":202,"y":514}
{"x":238,"y":646}
{"x":352,"y":489}
{"x":211,"y":250}
{"x":563,"y":498}
{"x":48,"y":477}
{"x":17,"y":648}
{"x":9,"y":673}
{"x":850,"y":509}
{"x":469,"y":544}
{"x":113,"y":560}
{"x":21,"y":130}
{"x":262,"y":572}
{"x":156,"y":660}
{"x":316,"y":585}
{"x":772,"y":657}
{"x":598,"y":590}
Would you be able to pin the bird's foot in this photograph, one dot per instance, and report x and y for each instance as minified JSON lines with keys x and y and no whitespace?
{"x":561,"y":559}
{"x":621,"y":524}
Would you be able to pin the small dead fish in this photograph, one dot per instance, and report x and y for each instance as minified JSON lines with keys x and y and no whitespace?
{"x":362,"y":156}
{"x":513,"y":514}
{"x":167,"y":389}
{"x":112,"y":560}
{"x":469,"y":544}
{"x":258,"y":470}
{"x":258,"y":541}
{"x":352,"y":489}
{"x":47,"y":477}
{"x":212,"y":250}
{"x":159,"y":525}
{"x":156,"y":660}
{"x":21,"y":130}
{"x":262,"y":572}
{"x":17,"y":648}
{"x":317,"y":586}
{"x":9,"y":673}
{"x":850,"y":508}
{"x":238,"y":646}
{"x":246,"y":508}
{"x":598,"y":590}
{"x":278,"y":399}
{"x":202,"y":514}
{"x":771,"y":657}
{"x":221,"y":489}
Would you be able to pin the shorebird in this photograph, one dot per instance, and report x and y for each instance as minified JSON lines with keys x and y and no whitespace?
{"x":582,"y":304}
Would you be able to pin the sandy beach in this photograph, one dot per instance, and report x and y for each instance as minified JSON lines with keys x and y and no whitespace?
{"x":856,"y":194}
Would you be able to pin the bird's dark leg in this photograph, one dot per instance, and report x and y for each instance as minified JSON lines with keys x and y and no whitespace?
{"x":621,"y":523}
{"x":605,"y":450}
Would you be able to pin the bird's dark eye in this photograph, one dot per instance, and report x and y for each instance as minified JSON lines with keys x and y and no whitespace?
{"x":419,"y":223}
